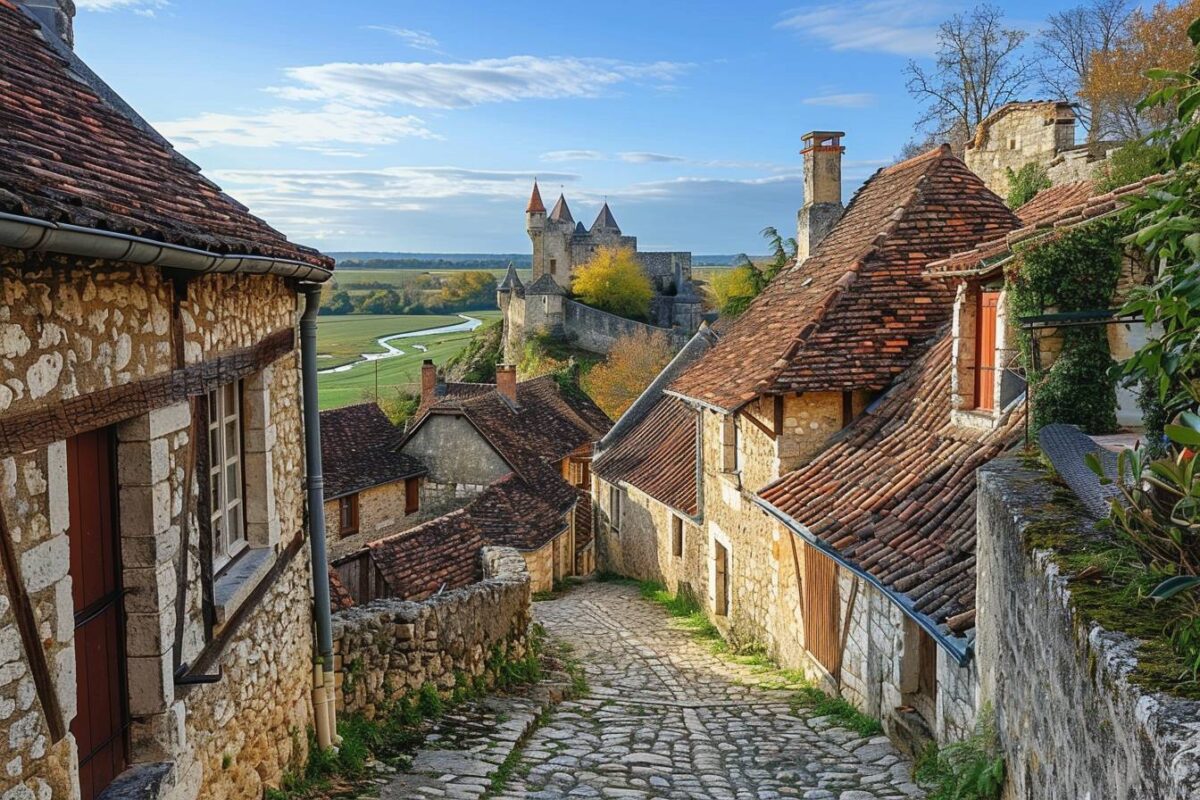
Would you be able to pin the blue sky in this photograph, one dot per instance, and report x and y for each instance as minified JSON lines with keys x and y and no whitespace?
{"x":418,"y":126}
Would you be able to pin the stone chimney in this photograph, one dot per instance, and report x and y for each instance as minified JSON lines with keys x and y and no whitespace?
{"x":822,"y":189}
{"x":428,"y":381}
{"x":57,"y":15}
{"x":506,"y":381}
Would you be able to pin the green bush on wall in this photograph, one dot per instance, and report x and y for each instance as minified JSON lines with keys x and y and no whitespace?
{"x":1076,"y":270}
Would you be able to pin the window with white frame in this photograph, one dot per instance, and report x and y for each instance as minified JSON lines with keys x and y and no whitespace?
{"x":226,"y":489}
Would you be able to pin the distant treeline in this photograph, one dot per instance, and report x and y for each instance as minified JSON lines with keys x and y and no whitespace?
{"x":435,"y":264}
{"x":469,"y":290}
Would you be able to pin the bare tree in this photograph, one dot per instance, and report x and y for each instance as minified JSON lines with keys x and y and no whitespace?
{"x":1067,"y":48}
{"x":979,"y":67}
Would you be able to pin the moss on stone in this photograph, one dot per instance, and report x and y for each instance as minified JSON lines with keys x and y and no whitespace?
{"x":1114,"y":594}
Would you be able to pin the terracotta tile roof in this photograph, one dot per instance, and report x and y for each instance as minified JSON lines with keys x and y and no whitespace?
{"x":69,"y":156}
{"x":1049,"y":202}
{"x":443,"y":552}
{"x":894,"y":495}
{"x":1044,"y":218}
{"x":340,"y":598}
{"x":510,"y":513}
{"x":358,"y":451}
{"x":849,"y":315}
{"x":657,"y":456}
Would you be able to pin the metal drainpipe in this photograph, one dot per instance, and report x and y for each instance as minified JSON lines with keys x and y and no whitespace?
{"x":323,"y":683}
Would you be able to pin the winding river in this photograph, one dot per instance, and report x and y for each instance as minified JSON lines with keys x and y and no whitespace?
{"x":391,"y":351}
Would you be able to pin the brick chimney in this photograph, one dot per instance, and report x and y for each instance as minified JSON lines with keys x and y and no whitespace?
{"x":822,"y":189}
{"x":428,"y":381}
{"x":506,"y":381}
{"x":57,"y":15}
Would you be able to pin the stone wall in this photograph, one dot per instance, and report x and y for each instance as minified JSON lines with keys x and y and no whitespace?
{"x":1071,"y":722}
{"x":597,"y":331}
{"x":1016,"y":135}
{"x":390,"y":647}
{"x":455,"y":454}
{"x":380,"y":514}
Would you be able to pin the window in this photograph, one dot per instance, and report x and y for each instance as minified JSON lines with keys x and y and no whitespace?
{"x":227,"y":522}
{"x":729,"y":443}
{"x":614,"y":508}
{"x":985,"y":351}
{"x":412,"y":495}
{"x":579,"y":472}
{"x":553,"y":266}
{"x":677,"y":536}
{"x":348,"y":515}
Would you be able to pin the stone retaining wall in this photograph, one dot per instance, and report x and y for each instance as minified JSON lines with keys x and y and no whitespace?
{"x":390,"y":647}
{"x":1070,"y":722}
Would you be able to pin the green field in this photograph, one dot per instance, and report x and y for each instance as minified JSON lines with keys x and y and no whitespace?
{"x":348,"y":278}
{"x":341,"y":338}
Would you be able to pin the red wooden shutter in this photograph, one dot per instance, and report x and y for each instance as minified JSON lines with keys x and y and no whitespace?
{"x":985,"y":351}
{"x":821,"y":608}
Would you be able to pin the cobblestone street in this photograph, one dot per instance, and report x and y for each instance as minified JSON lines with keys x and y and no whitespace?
{"x":665,"y":718}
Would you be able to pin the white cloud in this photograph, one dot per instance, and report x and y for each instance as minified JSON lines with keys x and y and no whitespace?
{"x":330,"y":124}
{"x":417,"y":40}
{"x":900,"y":27}
{"x":464,"y":84}
{"x":853,"y":100}
{"x":650,"y":158}
{"x":137,"y":6}
{"x":574,"y":155}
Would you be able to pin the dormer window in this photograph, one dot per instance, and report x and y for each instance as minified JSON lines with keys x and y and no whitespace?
{"x":986,"y":358}
{"x":984,"y":382}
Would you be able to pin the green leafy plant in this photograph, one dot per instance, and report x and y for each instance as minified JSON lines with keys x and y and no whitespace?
{"x":1025,"y":183}
{"x":1076,"y":270}
{"x":972,"y":769}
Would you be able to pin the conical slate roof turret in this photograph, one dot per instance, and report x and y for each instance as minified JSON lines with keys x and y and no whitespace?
{"x":511,"y":280}
{"x":605,"y":221}
{"x":561,"y":213}
{"x":536,"y":206}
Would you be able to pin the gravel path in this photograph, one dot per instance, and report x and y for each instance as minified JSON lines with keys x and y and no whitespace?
{"x":668,"y":719}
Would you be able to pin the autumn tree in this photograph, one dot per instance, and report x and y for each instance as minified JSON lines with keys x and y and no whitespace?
{"x":1068,"y":46}
{"x":338,"y":302}
{"x":1116,"y":80}
{"x":613,"y":280}
{"x":734,"y":290}
{"x":634,"y":361}
{"x":978,"y":68}
{"x":469,"y":289}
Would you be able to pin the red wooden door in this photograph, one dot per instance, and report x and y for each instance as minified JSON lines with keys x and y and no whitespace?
{"x":985,"y":355}
{"x":102,"y":719}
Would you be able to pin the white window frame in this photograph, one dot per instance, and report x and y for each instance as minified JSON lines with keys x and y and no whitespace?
{"x":226,"y":475}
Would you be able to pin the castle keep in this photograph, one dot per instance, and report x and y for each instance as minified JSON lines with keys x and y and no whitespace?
{"x":560,"y":246}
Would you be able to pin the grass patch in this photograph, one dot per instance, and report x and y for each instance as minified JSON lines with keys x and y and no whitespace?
{"x":837,"y":708}
{"x":972,"y":769}
{"x":559,"y":589}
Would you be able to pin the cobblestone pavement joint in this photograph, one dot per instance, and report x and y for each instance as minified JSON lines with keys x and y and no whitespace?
{"x":668,"y":719}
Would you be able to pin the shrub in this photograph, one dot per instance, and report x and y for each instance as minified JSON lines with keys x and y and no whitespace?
{"x":1130,"y":163}
{"x":633,"y":362}
{"x":1025,"y":183}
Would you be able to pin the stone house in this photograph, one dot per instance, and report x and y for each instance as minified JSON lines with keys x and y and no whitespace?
{"x":987,"y":377}
{"x":520,"y":454}
{"x":156,"y":629}
{"x":806,"y":362}
{"x":371,"y":489}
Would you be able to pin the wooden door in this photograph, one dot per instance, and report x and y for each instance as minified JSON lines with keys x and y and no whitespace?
{"x":927,"y":674}
{"x":721,"y":584}
{"x":412,"y":495}
{"x":985,"y":351}
{"x":821,"y":609}
{"x":102,"y":720}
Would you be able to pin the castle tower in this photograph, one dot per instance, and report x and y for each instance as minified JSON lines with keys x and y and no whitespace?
{"x":822,"y":190}
{"x":535,"y":226}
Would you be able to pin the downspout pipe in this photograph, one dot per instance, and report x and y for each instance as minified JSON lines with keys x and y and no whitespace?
{"x":323,"y":663}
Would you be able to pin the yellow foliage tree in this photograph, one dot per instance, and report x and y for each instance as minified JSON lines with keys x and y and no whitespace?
{"x":1117,"y":79}
{"x":733,"y":289}
{"x":613,"y":281}
{"x":633,"y":362}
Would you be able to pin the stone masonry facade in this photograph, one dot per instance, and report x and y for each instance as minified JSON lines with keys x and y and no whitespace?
{"x":67,"y":330}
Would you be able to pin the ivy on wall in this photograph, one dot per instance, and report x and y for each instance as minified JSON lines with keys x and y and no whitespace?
{"x":1076,"y":270}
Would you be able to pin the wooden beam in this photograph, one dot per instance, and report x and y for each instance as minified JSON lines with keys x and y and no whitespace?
{"x":65,"y":419}
{"x":762,"y":426}
{"x":27,"y":626}
{"x":778,"y":408}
